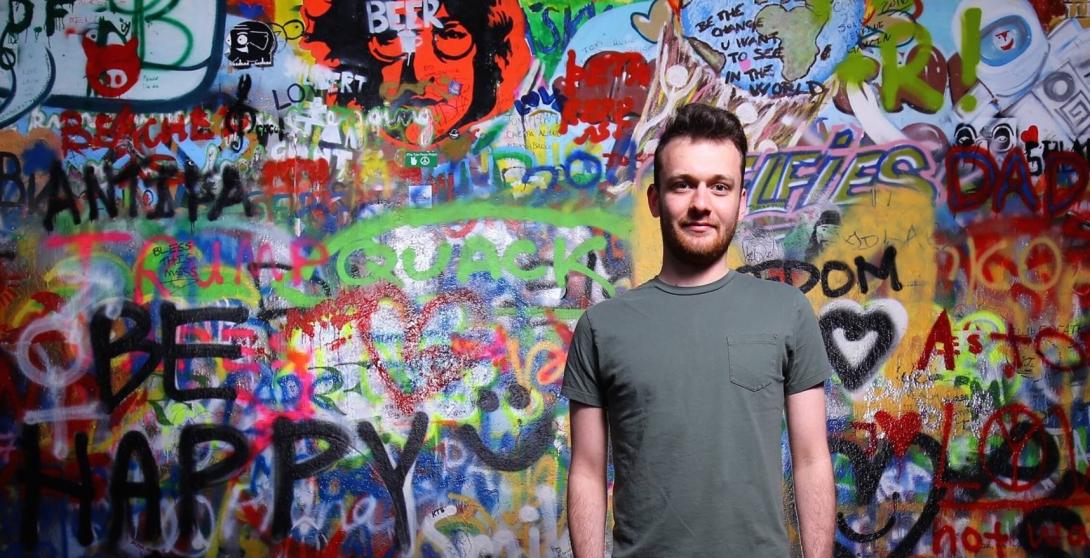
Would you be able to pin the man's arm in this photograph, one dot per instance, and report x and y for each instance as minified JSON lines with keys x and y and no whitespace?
{"x":587,"y":481}
{"x":814,"y":496}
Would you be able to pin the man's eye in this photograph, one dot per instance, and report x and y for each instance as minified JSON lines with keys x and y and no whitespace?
{"x":721,"y":187}
{"x":679,"y":186}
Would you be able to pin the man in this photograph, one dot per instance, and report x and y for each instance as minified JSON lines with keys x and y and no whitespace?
{"x":693,"y":372}
{"x":438,"y":66}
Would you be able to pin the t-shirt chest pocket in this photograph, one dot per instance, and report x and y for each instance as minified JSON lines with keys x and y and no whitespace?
{"x":754,"y":360}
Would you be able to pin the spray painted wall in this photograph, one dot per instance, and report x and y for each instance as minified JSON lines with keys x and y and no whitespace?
{"x":297,"y":279}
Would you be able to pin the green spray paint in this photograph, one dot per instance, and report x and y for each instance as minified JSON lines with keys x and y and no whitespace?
{"x":895,"y":76}
{"x":856,"y":68}
{"x":360,"y":259}
{"x":821,"y":11}
{"x":970,"y":54}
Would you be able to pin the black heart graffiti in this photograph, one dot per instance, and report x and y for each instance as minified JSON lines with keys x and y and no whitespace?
{"x":856,"y":325}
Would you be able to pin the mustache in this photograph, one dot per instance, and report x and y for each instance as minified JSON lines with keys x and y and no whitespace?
{"x":411,"y":99}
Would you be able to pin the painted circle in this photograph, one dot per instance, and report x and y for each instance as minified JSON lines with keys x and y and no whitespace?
{"x":518,"y":396}
{"x":1004,"y":423}
{"x":487,"y":400}
{"x":1058,"y":86}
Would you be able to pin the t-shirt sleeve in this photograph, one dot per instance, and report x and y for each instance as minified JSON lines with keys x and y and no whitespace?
{"x":581,"y":371}
{"x":809,"y":363}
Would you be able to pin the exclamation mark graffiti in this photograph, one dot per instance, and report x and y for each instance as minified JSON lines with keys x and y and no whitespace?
{"x":970,"y":55}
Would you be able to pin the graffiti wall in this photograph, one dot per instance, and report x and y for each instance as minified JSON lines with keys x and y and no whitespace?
{"x":297,"y":277}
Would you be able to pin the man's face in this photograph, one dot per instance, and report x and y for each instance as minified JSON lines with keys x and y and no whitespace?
{"x":428,"y":59}
{"x":700,"y":199}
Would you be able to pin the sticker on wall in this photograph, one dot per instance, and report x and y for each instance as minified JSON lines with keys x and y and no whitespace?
{"x":421,"y":159}
{"x":251,"y":43}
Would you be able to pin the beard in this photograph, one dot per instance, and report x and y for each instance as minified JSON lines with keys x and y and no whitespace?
{"x":696,"y":252}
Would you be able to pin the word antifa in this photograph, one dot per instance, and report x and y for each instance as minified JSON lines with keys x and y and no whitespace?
{"x":60,"y":197}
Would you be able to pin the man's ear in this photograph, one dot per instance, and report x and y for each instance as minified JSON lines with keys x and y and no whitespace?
{"x":743,"y":205}
{"x":653,"y":200}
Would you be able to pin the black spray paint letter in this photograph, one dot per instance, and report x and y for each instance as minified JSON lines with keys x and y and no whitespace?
{"x":133,"y":340}
{"x":122,"y":489}
{"x":130,"y":175}
{"x":394,"y":478}
{"x":886,"y":269}
{"x":193,"y":480}
{"x":171,"y":318}
{"x":60,"y":196}
{"x":285,"y":435}
{"x":196,"y":190}
{"x":34,"y":481}
{"x":94,"y":193}
{"x":233,"y":193}
{"x":164,"y":204}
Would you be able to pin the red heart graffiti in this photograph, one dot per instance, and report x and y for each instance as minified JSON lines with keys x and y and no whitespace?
{"x":448,"y":362}
{"x":1029,"y":134}
{"x":900,"y":431}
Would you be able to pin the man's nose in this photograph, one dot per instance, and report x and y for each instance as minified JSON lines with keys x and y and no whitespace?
{"x":699,"y":199}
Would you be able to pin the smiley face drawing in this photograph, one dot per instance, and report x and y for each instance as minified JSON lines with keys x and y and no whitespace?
{"x":533,"y":440}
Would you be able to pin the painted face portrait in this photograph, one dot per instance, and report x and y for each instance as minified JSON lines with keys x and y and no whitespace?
{"x":435,"y":66}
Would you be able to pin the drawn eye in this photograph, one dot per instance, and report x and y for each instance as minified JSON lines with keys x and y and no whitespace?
{"x":452,"y":41}
{"x":487,"y":400}
{"x":386,"y":47}
{"x":451,"y":33}
{"x":518,"y":396}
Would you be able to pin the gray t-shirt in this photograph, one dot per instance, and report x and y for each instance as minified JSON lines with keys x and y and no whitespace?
{"x":693,"y":380}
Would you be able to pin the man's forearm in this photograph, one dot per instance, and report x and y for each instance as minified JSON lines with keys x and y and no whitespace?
{"x":816,"y":503}
{"x":587,"y":514}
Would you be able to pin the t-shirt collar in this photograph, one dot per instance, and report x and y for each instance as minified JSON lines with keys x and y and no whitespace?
{"x":695,"y":290}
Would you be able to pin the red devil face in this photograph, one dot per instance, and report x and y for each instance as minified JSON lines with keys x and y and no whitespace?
{"x":111,"y":69}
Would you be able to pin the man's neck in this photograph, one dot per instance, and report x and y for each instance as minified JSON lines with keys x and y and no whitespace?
{"x":682,"y":275}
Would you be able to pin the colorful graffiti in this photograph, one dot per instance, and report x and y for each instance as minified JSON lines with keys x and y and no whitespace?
{"x":297,"y":278}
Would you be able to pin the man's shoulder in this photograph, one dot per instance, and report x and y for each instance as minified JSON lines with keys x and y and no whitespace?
{"x":636,"y":298}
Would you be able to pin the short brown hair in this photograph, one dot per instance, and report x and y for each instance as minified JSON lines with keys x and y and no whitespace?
{"x":703,"y":122}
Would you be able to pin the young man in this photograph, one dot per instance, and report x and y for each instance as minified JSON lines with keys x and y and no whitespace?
{"x":693,"y":372}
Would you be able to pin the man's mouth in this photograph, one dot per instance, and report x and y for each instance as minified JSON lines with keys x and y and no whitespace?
{"x":699,"y":226}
